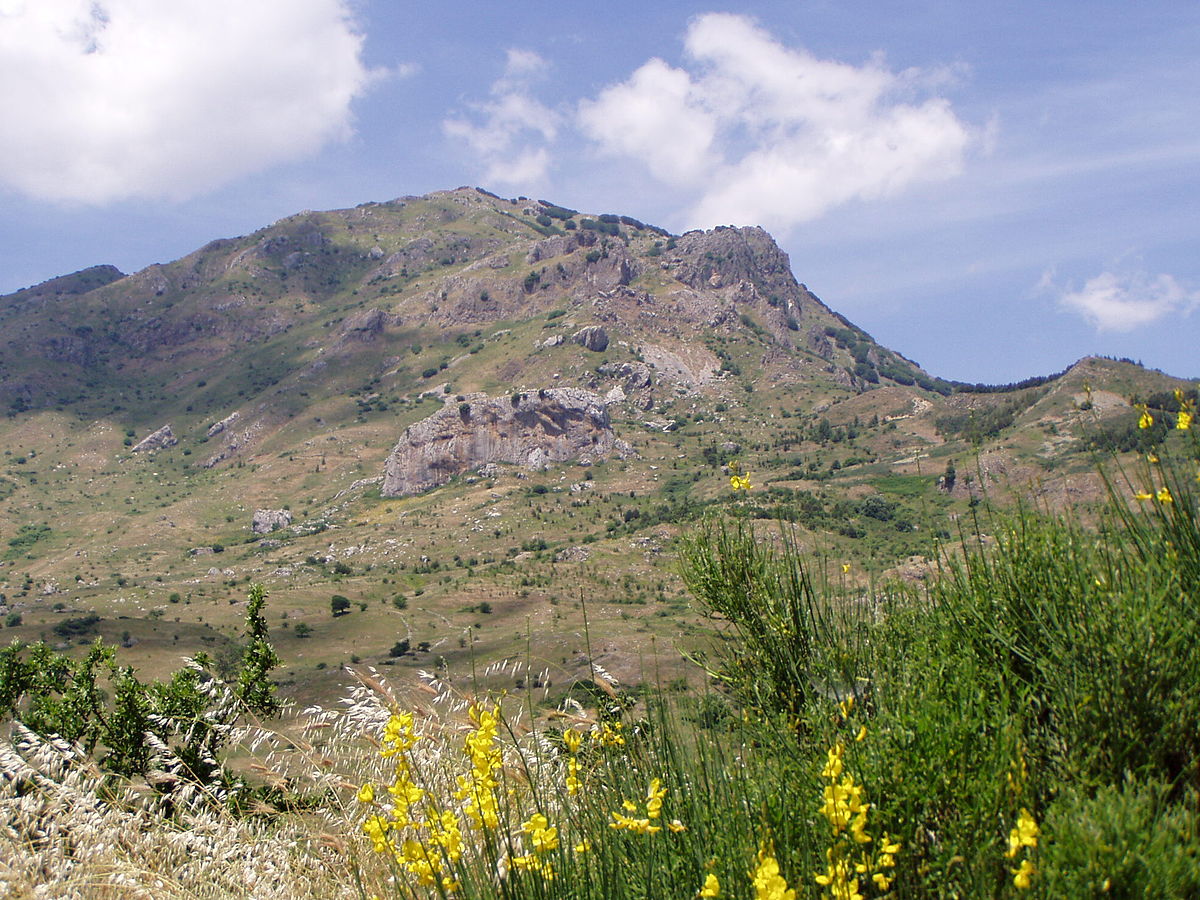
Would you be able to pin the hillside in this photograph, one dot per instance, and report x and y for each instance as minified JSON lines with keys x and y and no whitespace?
{"x":289,"y":364}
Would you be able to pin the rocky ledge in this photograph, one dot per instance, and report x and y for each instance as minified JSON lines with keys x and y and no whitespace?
{"x":530,"y":429}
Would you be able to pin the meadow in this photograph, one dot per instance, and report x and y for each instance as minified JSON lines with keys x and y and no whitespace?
{"x":1026,"y":723}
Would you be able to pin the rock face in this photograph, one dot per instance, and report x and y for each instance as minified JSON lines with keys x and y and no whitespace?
{"x":158,"y":440}
{"x":532,"y":430}
{"x":267,"y":520}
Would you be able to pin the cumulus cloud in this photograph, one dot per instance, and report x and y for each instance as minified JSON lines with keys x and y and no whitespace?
{"x":762,"y":133}
{"x":511,"y":132}
{"x":1124,"y":302}
{"x":110,"y":99}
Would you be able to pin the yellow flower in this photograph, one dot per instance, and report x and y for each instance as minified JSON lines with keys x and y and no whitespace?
{"x":740,"y":482}
{"x":768,"y":883}
{"x":406,"y":794}
{"x":573,"y":782}
{"x":377,"y":828}
{"x":610,"y":735}
{"x":1164,"y":495}
{"x":534,"y":864}
{"x":862,"y":734}
{"x":637,"y":826}
{"x":1023,"y":874}
{"x":583,"y":846}
{"x":366,"y":794}
{"x":572,"y":739}
{"x":845,"y":568}
{"x":676,"y":826}
{"x":711,"y":888}
{"x":838,"y":879}
{"x":833,"y":762}
{"x":398,"y":734}
{"x":542,"y":834}
{"x":1145,"y":420}
{"x":448,"y":836}
{"x":1183,"y":421}
{"x":1025,"y":834}
{"x":1143,"y":495}
{"x":654,"y":798}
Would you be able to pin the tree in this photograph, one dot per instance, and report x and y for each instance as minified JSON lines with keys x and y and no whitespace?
{"x":258,"y":659}
{"x":339,"y":605}
{"x":302,"y":630}
{"x":948,"y":477}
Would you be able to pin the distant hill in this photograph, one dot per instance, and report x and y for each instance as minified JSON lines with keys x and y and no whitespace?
{"x":279,"y":370}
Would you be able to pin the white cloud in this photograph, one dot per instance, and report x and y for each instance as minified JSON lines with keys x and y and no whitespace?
{"x":761,"y":133}
{"x":109,"y":99}
{"x":511,"y":132}
{"x":1123,"y":302}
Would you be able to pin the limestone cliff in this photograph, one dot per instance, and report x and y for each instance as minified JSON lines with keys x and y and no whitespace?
{"x":530,"y":429}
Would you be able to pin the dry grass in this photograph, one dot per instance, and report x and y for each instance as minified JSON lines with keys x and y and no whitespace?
{"x":66,"y":834}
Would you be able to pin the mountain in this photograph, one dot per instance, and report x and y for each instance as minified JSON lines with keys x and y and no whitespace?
{"x":472,"y":416}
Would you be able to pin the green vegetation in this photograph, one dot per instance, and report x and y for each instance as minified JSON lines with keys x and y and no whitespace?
{"x":1026,"y":724}
{"x":24,"y":540}
{"x":180,"y":724}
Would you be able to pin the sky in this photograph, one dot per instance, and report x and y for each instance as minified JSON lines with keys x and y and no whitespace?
{"x":994,"y":190}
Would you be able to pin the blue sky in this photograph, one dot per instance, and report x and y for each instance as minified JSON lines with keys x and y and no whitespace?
{"x":993,"y":190}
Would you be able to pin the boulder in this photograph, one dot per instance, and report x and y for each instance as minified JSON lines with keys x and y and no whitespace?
{"x":158,"y":440}
{"x":217,"y":427}
{"x":593,"y":338}
{"x":267,"y":520}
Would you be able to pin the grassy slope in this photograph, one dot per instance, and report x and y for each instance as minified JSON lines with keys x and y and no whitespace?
{"x":267,"y":337}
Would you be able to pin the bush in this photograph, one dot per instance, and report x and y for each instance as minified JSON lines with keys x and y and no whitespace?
{"x":1123,"y":840}
{"x":75,"y":627}
{"x":1050,"y":675}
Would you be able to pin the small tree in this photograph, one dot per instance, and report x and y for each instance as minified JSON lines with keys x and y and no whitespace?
{"x":949,"y":477}
{"x":339,"y":605}
{"x":259,"y":658}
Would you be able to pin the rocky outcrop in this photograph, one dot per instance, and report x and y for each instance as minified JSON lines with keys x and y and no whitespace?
{"x":267,"y":520}
{"x":725,"y":257}
{"x":593,"y":338}
{"x":364,"y":326}
{"x":217,"y":427}
{"x":531,"y":429}
{"x":636,"y":375}
{"x":158,"y":440}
